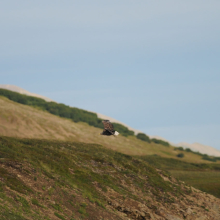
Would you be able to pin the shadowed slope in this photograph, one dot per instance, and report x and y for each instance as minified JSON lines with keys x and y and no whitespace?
{"x":43,"y":179}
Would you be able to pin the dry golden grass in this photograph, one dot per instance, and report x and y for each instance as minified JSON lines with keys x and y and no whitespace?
{"x":17,"y":120}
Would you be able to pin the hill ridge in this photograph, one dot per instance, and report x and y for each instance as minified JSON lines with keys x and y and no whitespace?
{"x":195,"y":146}
{"x":23,"y":91}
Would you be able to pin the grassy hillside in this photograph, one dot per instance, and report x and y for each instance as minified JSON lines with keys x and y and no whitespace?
{"x":17,"y":120}
{"x":64,"y":111}
{"x":75,"y":114}
{"x":44,"y":179}
{"x":203,"y":176}
{"x":207,"y":181}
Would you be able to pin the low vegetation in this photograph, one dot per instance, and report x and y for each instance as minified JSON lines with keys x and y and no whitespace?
{"x":64,"y":111}
{"x":52,"y":179}
{"x":164,"y":143}
{"x":204,"y":156}
{"x":18,"y":120}
{"x":143,"y":137}
{"x":207,"y":181}
{"x":180,"y":155}
{"x":175,"y":164}
{"x":42,"y":179}
{"x":75,"y":114}
{"x":204,"y":176}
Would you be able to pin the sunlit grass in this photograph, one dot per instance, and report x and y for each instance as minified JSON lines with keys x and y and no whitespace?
{"x":28,"y":122}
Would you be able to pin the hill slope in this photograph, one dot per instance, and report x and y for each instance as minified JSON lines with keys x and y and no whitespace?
{"x":42,"y":179}
{"x":195,"y":146}
{"x":17,"y":120}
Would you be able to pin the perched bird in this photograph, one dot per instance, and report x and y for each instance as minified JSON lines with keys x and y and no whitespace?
{"x":108,"y":129}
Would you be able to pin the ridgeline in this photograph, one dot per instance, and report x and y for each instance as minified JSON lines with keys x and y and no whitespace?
{"x":75,"y":114}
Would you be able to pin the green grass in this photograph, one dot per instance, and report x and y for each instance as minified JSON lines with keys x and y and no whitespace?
{"x":82,"y":211}
{"x":175,"y":164}
{"x":75,"y":176}
{"x":36,"y":202}
{"x":56,"y":157}
{"x":59,"y":216}
{"x":8,"y":215}
{"x":207,"y":181}
{"x":13,"y":182}
{"x":57,"y":207}
{"x":23,"y":202}
{"x":44,"y":125}
{"x":203,"y":176}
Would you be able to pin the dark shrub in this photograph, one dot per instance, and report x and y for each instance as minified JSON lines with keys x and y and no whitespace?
{"x":64,"y":111}
{"x":157,"y":141}
{"x":181,"y":155}
{"x":143,"y":137}
{"x":180,"y":148}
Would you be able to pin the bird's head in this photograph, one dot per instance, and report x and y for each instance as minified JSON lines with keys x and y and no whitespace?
{"x":116,"y":133}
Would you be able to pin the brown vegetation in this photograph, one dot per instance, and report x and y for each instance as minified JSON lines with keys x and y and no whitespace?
{"x":49,"y":178}
{"x":66,"y":180}
{"x":17,"y":120}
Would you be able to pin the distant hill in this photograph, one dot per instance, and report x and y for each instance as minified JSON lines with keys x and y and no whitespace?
{"x":48,"y":130}
{"x":25,"y":92}
{"x":195,"y":146}
{"x":18,"y":120}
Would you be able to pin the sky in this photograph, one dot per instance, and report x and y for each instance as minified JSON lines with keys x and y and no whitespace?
{"x":153,"y":65}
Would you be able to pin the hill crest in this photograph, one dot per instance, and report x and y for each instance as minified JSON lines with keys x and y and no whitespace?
{"x":24,"y":92}
{"x":195,"y":146}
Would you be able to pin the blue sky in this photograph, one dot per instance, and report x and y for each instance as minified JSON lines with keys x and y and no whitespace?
{"x":154,"y":65}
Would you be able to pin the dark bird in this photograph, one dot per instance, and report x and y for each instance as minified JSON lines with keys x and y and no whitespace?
{"x":108,"y":129}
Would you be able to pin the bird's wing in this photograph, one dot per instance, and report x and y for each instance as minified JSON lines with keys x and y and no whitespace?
{"x":108,"y":126}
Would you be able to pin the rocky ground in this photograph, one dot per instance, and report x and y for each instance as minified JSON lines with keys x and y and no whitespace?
{"x":196,"y":205}
{"x":74,"y":181}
